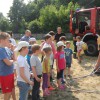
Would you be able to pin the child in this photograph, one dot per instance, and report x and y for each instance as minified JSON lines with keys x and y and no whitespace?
{"x":68,"y":56}
{"x":37,"y":70}
{"x":53,"y":54}
{"x":53,"y":47}
{"x":46,"y":70}
{"x":60,"y":63}
{"x":79,"y":44}
{"x":48,"y":42}
{"x":63,"y":39}
{"x":6,"y":67}
{"x":32,"y":41}
{"x":23,"y":73}
{"x":12,"y":56}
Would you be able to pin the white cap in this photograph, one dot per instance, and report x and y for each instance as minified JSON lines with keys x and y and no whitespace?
{"x":32,"y":39}
{"x":21,"y":44}
{"x":60,"y":43}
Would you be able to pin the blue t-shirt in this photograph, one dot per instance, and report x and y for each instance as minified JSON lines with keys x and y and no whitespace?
{"x":5,"y":69}
{"x":25,"y":38}
{"x":68,"y":55}
{"x":9,"y":52}
{"x":28,"y":57}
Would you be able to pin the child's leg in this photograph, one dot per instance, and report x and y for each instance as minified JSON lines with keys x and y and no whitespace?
{"x":49,"y":80}
{"x":69,"y":67}
{"x":7,"y":96}
{"x":69,"y":71}
{"x":45,"y":81}
{"x":13,"y":94}
{"x":59,"y":77}
{"x":65,"y":72}
{"x":35,"y":89}
{"x":78,"y":54}
{"x":23,"y":90}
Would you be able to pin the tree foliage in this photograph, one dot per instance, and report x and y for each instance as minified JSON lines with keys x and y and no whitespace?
{"x":4,"y":23}
{"x":42,"y":15}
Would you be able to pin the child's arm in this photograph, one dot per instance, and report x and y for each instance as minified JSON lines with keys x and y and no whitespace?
{"x":35,"y":74}
{"x":24,"y":77}
{"x":8,"y":62}
{"x":57,"y":65}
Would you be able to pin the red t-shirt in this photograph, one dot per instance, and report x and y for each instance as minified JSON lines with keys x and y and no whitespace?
{"x":61,"y":59}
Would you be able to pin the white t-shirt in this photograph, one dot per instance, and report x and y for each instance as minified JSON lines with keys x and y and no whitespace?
{"x":51,"y":56}
{"x":22,"y":62}
{"x":79,"y":45}
{"x":13,"y":41}
{"x":46,"y":45}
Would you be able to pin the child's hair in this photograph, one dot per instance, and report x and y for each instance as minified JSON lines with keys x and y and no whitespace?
{"x":68,"y":42}
{"x":47,"y":36}
{"x":35,"y":47}
{"x":62,"y":38}
{"x":4,"y":35}
{"x":22,"y":49}
{"x":78,"y":37}
{"x":47,"y":49}
{"x":51,"y":33}
{"x":59,"y":48}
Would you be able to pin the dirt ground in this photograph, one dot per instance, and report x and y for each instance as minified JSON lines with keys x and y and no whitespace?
{"x":82,"y":89}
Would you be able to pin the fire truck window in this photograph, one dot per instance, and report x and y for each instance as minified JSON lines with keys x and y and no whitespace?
{"x":84,"y":21}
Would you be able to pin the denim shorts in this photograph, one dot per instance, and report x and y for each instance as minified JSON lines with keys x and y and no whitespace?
{"x":68,"y":65}
{"x":23,"y":90}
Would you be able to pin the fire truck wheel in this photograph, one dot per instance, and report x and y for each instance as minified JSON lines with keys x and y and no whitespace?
{"x":92,"y":48}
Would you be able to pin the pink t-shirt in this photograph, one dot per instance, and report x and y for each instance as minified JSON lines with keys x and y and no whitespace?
{"x":61,"y":59}
{"x":53,"y":48}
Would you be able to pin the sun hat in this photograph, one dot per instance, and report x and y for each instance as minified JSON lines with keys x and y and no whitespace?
{"x":32,"y":39}
{"x":21,"y":44}
{"x":60,"y":43}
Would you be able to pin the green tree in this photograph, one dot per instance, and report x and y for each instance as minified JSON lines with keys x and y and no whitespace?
{"x":16,"y":13}
{"x":4,"y":23}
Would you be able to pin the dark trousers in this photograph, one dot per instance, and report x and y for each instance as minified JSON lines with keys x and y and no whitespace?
{"x":35,"y":90}
{"x":75,"y":48}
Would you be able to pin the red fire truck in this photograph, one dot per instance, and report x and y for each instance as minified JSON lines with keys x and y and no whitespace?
{"x":88,"y":23}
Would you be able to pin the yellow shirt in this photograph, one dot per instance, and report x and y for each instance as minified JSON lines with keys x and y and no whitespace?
{"x":48,"y":66}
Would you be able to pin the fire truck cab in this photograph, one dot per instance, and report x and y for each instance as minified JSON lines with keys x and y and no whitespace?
{"x":88,"y":23}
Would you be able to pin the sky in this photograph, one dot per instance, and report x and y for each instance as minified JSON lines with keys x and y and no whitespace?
{"x":5,"y":6}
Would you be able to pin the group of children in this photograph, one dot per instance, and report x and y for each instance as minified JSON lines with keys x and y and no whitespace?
{"x":30,"y":69}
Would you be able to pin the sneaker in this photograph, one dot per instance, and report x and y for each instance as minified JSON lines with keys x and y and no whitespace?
{"x":63,"y":81}
{"x":51,"y":88}
{"x":61,"y":87}
{"x":64,"y":86}
{"x":45,"y":94}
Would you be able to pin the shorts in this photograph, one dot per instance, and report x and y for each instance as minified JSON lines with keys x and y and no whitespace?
{"x":68,"y":65}
{"x":79,"y":50}
{"x":7,"y":83}
{"x":60,"y":74}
